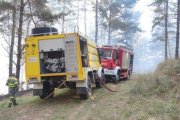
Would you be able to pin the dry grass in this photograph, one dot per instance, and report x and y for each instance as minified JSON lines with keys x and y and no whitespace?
{"x":170,"y":68}
{"x":144,"y":97}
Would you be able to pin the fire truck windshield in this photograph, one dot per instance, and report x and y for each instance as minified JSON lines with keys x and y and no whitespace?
{"x":105,"y":53}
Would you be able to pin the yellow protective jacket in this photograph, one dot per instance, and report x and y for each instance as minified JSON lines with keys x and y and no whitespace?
{"x":12,"y":82}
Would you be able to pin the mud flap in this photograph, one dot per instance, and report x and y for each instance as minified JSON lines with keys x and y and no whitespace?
{"x":81,"y":90}
{"x":37,"y":92}
{"x":37,"y":89}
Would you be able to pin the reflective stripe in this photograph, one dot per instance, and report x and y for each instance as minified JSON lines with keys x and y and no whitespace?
{"x":12,"y":78}
{"x":16,"y":83}
{"x":12,"y":82}
{"x":11,"y":85}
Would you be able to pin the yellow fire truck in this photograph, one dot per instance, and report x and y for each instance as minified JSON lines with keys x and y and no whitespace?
{"x":52,"y":59}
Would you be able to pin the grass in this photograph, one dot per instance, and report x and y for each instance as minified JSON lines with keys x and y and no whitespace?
{"x":159,"y":106}
{"x":144,"y":97}
{"x":160,"y":90}
{"x":105,"y":105}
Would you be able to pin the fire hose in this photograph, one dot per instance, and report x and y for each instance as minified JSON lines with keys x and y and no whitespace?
{"x":100,"y":80}
{"x":51,"y":92}
{"x":103,"y":83}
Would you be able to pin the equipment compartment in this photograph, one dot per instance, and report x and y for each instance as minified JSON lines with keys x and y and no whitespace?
{"x":52,"y":62}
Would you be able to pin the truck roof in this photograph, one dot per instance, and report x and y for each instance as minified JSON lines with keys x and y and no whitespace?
{"x":60,"y":35}
{"x":115,"y":47}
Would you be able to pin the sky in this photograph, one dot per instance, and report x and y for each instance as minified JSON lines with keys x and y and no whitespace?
{"x":3,"y":69}
{"x":146,"y":16}
{"x":145,"y":25}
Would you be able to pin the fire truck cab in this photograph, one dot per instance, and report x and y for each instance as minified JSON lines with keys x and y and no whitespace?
{"x":117,"y":62}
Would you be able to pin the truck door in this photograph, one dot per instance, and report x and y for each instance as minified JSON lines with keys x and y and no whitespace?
{"x":115,"y":58}
{"x":83,"y":48}
{"x":131,"y":60}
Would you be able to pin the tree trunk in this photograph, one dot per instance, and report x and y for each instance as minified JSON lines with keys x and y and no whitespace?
{"x":85,"y":16}
{"x":96,"y":22}
{"x":109,"y":33}
{"x":19,"y":55}
{"x":63,"y":17}
{"x":166,"y":28}
{"x":78,"y":17}
{"x":12,"y":38}
{"x":109,"y":25}
{"x":177,"y":32}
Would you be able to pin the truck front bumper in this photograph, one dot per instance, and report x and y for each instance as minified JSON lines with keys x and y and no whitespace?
{"x":109,"y":72}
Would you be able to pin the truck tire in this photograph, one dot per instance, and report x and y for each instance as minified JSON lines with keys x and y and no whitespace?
{"x":117,"y":78}
{"x":88,"y":90}
{"x":47,"y":90}
{"x":83,"y":96}
{"x":41,"y":31}
{"x":128,"y":76}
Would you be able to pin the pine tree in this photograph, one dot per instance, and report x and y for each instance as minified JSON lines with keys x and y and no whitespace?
{"x":111,"y":13}
{"x":177,"y":31}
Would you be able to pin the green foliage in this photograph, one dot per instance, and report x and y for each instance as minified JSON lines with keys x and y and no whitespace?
{"x":41,"y":12}
{"x":119,"y":17}
{"x":158,"y":2}
{"x":157,"y":21}
{"x":161,"y":89}
{"x":117,"y":24}
{"x":5,"y":8}
{"x":171,"y":68}
{"x":4,"y":5}
{"x":164,"y":80}
{"x":150,"y":85}
{"x":46,"y":15}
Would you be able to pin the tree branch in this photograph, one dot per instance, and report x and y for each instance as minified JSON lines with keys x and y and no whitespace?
{"x":14,"y":62}
{"x":6,"y":41}
{"x":5,"y":48}
{"x":31,"y":14}
{"x":25,"y":3}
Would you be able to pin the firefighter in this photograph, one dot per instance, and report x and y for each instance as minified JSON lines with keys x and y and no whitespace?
{"x":12,"y":83}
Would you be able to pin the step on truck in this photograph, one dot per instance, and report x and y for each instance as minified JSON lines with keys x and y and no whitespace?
{"x":52,"y":59}
{"x":117,"y":62}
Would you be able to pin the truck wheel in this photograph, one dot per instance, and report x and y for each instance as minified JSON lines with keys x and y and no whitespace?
{"x":128,"y":76}
{"x":88,"y":90}
{"x":83,"y":96}
{"x":47,"y":94}
{"x":47,"y":91}
{"x":116,"y":78}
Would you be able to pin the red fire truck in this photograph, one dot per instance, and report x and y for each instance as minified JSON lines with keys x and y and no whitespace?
{"x":117,"y":62}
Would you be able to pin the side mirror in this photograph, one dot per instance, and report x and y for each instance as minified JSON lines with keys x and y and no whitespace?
{"x":101,"y":52}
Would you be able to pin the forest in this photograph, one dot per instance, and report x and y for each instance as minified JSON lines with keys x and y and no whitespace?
{"x":113,"y":22}
{"x":150,"y":28}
